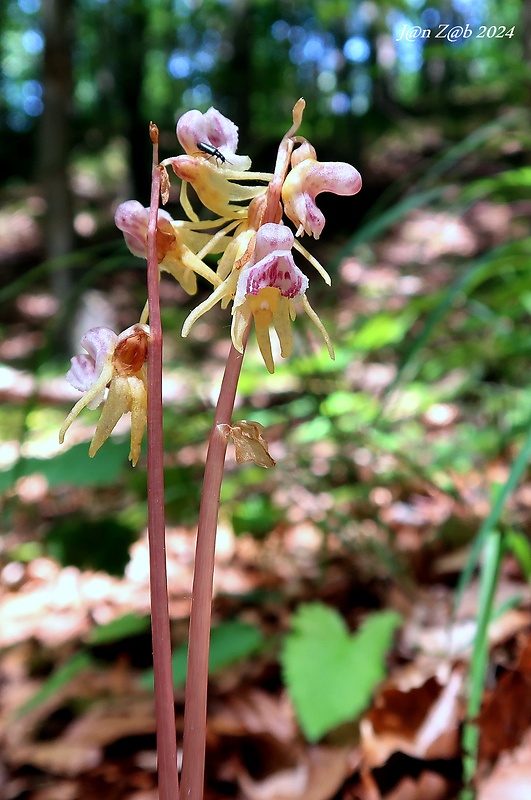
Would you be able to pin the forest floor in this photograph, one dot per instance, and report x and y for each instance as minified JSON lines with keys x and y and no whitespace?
{"x":397,"y":539}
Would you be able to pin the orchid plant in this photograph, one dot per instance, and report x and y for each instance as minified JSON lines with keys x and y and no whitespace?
{"x":258,"y":274}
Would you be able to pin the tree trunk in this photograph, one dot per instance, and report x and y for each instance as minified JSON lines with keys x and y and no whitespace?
{"x":54,"y":136}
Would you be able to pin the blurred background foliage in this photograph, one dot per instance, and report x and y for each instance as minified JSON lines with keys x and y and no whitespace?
{"x":108,"y":68}
{"x":431,"y":283}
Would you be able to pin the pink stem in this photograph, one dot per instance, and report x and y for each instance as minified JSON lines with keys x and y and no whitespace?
{"x":160,"y":619}
{"x":195,"y":701}
{"x":195,"y":709}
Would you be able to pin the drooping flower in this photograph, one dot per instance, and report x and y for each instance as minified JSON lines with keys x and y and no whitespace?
{"x":212,"y":167}
{"x":215,"y":131}
{"x":257,"y":269}
{"x":266,"y":288}
{"x":264,"y":283}
{"x":177,"y":243}
{"x":112,"y":372}
{"x":306,"y":180}
{"x":216,"y":188}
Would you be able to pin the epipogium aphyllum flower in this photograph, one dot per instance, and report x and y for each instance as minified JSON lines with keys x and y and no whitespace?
{"x":212,"y":166}
{"x":266,"y":288}
{"x":112,"y":372}
{"x":263,"y":279}
{"x":256,"y":271}
{"x":308,"y":178}
{"x":178,"y":242}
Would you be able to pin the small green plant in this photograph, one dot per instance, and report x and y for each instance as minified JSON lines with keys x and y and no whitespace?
{"x":330,"y":673}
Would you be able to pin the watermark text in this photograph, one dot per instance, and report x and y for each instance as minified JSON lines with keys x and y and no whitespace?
{"x":454,"y":33}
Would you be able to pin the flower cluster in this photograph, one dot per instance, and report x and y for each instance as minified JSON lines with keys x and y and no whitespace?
{"x":256,"y":269}
{"x":112,"y":372}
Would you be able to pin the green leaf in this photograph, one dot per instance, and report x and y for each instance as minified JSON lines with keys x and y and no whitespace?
{"x":520,"y":546}
{"x":121,"y":628}
{"x":256,"y":515}
{"x":382,"y":330}
{"x":331,"y":674}
{"x":230,"y":642}
{"x":99,"y":544}
{"x":57,"y":680}
{"x":359,"y":405}
{"x":313,"y":431}
{"x":73,"y":467}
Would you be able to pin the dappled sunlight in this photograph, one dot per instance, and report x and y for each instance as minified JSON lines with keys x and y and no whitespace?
{"x":393,"y":471}
{"x":20,"y":233}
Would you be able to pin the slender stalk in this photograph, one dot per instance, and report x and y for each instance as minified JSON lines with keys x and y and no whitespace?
{"x":195,"y":702}
{"x":490,"y":568}
{"x":195,"y":708}
{"x":160,"y":618}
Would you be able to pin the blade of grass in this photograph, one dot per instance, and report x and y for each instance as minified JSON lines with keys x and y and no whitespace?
{"x":463,"y":283}
{"x":57,"y":681}
{"x":492,"y":556}
{"x":89,"y":258}
{"x":466,"y":146}
{"x":441,"y":165}
{"x":374,"y":227}
{"x":379,"y":219}
{"x":517,"y":469}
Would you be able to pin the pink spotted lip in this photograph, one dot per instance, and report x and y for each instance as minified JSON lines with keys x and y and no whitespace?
{"x":272,"y":265}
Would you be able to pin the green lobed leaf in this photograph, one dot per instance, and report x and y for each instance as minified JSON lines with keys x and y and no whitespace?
{"x":331,"y":674}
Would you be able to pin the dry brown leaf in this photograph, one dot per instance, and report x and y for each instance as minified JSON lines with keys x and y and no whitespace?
{"x":317,"y":776}
{"x":286,"y":784}
{"x":432,"y":631}
{"x":511,"y":777}
{"x":249,"y":442}
{"x":256,"y":712}
{"x":106,"y":723}
{"x":506,"y":711}
{"x":271,"y":762}
{"x":59,"y":790}
{"x":144,"y":794}
{"x":69,"y":759}
{"x":429,"y":786}
{"x":422,"y":722}
{"x":367,"y":788}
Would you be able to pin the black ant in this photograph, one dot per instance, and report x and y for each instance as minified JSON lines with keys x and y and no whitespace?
{"x":211,"y":151}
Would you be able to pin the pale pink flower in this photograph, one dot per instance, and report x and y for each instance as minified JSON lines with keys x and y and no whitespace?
{"x":112,"y":372}
{"x":215,"y":131}
{"x":309,"y":178}
{"x":177,"y":243}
